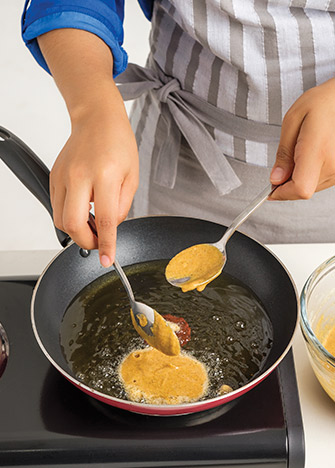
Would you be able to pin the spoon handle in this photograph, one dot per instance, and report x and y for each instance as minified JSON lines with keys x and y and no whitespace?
{"x":124,"y":281}
{"x":116,"y":264}
{"x":261,"y":197}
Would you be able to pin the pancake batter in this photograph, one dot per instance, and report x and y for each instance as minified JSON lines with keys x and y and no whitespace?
{"x":163,"y":337}
{"x":156,"y":378}
{"x":199,"y":264}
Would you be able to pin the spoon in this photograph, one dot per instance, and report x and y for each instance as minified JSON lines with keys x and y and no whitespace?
{"x":196,"y":266}
{"x":148,"y":323}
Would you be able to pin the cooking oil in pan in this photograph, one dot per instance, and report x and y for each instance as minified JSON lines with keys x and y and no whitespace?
{"x":231,"y":333}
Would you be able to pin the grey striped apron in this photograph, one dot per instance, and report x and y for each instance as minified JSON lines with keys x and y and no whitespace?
{"x":207,"y":115}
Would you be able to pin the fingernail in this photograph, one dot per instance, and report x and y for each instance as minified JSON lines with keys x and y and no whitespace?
{"x":277,"y":174}
{"x":105,"y":261}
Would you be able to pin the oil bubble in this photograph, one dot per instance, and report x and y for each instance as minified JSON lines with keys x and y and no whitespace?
{"x":240,"y":325}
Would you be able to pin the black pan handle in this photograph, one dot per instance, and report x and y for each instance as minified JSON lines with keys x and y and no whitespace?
{"x":30,"y":170}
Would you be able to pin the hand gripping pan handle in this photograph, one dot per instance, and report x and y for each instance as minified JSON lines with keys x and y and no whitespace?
{"x":30,"y":170}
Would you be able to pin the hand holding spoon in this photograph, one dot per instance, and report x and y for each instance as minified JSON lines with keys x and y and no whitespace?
{"x":148,"y":323}
{"x":195,"y":267}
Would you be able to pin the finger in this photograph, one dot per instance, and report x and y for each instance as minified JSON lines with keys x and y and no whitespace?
{"x":57,"y":203}
{"x":75,"y":216}
{"x":127,"y":193}
{"x":308,"y":164}
{"x":284,"y":164}
{"x":106,"y":202}
{"x":52,"y":192}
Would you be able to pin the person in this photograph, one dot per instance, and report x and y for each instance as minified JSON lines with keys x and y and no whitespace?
{"x":234,"y":93}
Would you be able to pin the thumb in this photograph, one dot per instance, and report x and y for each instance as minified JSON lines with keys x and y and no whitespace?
{"x":283,"y":167}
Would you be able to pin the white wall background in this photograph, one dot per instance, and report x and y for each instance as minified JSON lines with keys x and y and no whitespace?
{"x":32,"y":108}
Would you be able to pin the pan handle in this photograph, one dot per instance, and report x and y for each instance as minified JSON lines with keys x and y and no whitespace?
{"x":30,"y":170}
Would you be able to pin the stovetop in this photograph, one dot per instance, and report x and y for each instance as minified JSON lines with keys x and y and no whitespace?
{"x":46,"y":421}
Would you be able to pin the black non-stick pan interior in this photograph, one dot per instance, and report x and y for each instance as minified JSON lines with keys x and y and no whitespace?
{"x":154,"y":238}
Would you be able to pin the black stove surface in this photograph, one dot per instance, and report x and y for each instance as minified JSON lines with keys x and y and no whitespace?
{"x":46,"y":421}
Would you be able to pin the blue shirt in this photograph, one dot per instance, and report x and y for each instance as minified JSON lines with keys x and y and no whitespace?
{"x":103,"y":18}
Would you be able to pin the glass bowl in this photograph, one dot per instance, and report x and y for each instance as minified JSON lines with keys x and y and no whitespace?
{"x":317,"y":321}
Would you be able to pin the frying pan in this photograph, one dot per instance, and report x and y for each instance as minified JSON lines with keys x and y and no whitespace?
{"x":141,"y":240}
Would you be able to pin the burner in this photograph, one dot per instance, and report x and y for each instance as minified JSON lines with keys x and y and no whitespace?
{"x":4,"y":349}
{"x":47,"y":421}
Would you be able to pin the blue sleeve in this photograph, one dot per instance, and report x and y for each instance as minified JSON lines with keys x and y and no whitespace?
{"x":103,"y":18}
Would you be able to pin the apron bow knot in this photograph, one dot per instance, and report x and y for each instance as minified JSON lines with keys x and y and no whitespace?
{"x":164,"y":91}
{"x":184,"y":113}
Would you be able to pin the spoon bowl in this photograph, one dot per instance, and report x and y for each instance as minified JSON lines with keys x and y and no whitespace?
{"x":143,"y":314}
{"x":198,"y":265}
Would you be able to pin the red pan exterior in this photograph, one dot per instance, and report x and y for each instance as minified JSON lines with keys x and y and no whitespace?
{"x":167,"y":410}
{"x":68,"y":273}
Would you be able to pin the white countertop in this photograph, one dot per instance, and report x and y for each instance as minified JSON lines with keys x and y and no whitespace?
{"x":318,"y":410}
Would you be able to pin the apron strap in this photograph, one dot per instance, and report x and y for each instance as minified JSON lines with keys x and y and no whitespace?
{"x":183,"y":112}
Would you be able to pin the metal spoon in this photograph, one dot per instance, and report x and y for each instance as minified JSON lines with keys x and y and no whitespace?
{"x":148,"y":323}
{"x":139,"y":309}
{"x":193,"y":280}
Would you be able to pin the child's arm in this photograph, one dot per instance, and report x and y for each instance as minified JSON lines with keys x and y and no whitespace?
{"x":99,"y":162}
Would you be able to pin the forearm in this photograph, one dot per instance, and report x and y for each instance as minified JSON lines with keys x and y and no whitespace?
{"x":99,"y":162}
{"x":82,"y":67}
